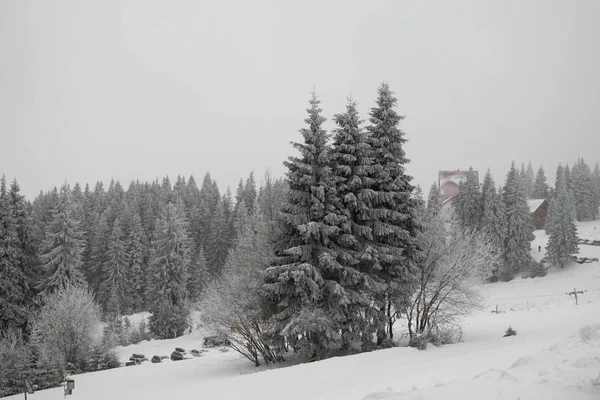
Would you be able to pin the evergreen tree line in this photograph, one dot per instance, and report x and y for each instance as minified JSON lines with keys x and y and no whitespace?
{"x":503,"y":213}
{"x":153,"y":246}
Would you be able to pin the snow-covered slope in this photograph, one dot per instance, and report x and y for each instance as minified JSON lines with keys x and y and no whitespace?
{"x":555,"y":355}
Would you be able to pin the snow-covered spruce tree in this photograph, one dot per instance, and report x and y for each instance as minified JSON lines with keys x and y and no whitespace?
{"x":234,"y":300}
{"x":14,"y":284}
{"x":393,"y":221}
{"x":98,"y":253}
{"x":62,"y":248}
{"x":519,"y":226}
{"x":596,"y":188}
{"x":452,"y":267}
{"x":218,"y":243}
{"x":540,"y":187}
{"x":494,"y":223}
{"x":250,"y":192}
{"x":487,"y":189}
{"x":434,"y":204}
{"x":560,"y":182}
{"x":583,"y":191}
{"x":351,"y":170}
{"x":568,"y":181}
{"x":137,"y":250}
{"x":560,"y":226}
{"x":116,"y":283}
{"x":309,"y":221}
{"x":529,"y":181}
{"x":171,"y":257}
{"x":270,"y":198}
{"x":199,"y":275}
{"x":467,"y":204}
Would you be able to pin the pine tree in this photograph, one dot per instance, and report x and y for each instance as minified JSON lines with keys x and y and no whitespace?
{"x":116,"y":281}
{"x":300,"y":299}
{"x":467,"y":204}
{"x":350,"y":169}
{"x":98,"y":253}
{"x":218,"y":243}
{"x":568,"y":182}
{"x":62,"y":248}
{"x":250,"y":192}
{"x":519,"y":226}
{"x":199,"y":276}
{"x":583,"y":191}
{"x":540,"y":187}
{"x":434,"y":204}
{"x":560,"y":183}
{"x":13,"y":280}
{"x":494,"y":222}
{"x":529,"y":181}
{"x":394,"y":223}
{"x":171,"y":257}
{"x":560,"y":226}
{"x":26,"y":236}
{"x":488,"y":188}
{"x":137,"y":251}
{"x":596,"y":189}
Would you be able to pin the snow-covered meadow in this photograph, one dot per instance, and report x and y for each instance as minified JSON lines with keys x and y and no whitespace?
{"x":555,"y":355}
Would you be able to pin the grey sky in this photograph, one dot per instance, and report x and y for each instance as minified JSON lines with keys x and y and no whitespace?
{"x":91,"y":90}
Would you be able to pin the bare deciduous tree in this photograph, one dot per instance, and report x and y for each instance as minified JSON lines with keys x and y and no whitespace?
{"x":232,"y":305}
{"x":452,"y":267}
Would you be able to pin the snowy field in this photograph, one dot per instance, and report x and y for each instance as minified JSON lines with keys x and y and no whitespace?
{"x":555,"y":355}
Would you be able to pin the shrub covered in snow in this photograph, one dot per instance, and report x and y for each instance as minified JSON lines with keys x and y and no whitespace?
{"x":510,"y":332}
{"x":169,"y":320}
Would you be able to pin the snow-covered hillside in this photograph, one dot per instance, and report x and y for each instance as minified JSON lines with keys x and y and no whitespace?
{"x":555,"y":355}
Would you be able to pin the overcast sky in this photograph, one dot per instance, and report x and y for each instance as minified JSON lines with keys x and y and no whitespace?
{"x":94,"y":90}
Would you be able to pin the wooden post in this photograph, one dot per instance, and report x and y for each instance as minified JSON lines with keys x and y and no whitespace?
{"x":575,"y":292}
{"x":496,"y":308}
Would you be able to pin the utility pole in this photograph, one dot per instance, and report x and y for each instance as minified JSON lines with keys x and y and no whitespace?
{"x":575,"y":292}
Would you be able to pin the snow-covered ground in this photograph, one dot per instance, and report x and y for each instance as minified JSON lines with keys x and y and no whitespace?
{"x":555,"y":355}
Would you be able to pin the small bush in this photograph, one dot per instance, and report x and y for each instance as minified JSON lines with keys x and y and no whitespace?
{"x":169,"y":321}
{"x":537,"y":269}
{"x":419,"y":341}
{"x":102,"y":358}
{"x":510,"y":332}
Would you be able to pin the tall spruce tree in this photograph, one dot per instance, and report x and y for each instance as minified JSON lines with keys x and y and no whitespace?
{"x":519,"y":226}
{"x":596,"y":188}
{"x":467,"y":204}
{"x":304,"y":305}
{"x":199,"y":276}
{"x":487,"y":190}
{"x":583,"y":191}
{"x":561,"y":228}
{"x":494,"y":222}
{"x":137,"y":254}
{"x":350,"y":171}
{"x":529,"y":181}
{"x":434,"y":204}
{"x":171,"y":257}
{"x":394,"y":220}
{"x":14,"y":284}
{"x":116,"y":283}
{"x":218,"y":243}
{"x":540,"y":187}
{"x":62,"y":248}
